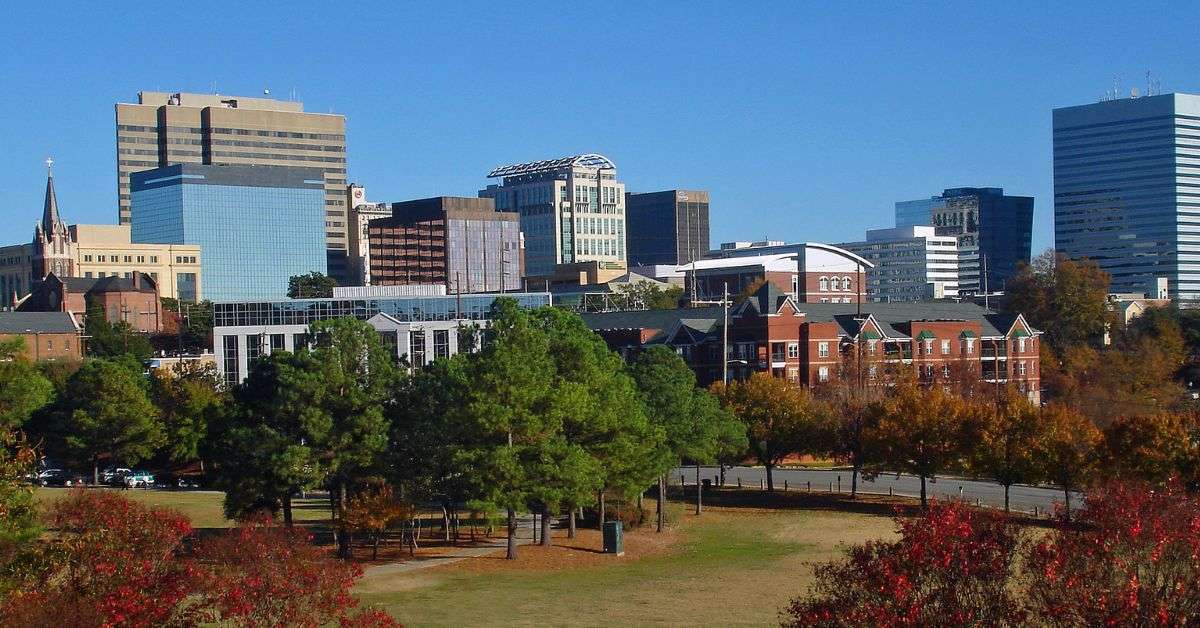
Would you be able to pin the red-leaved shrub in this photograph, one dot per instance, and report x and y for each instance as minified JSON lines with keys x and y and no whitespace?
{"x":115,"y":562}
{"x":949,"y":567}
{"x":1131,"y":557}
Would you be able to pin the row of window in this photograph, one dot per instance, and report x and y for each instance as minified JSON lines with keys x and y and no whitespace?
{"x":834,"y":284}
{"x":128,"y":259}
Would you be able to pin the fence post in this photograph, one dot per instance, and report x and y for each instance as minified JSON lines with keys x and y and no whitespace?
{"x":810,"y":486}
{"x":785,"y":486}
{"x":682,"y":480}
{"x":889,"y":491}
{"x":831,"y":487}
{"x":739,"y":481}
{"x":760,"y":484}
{"x":839,"y":483}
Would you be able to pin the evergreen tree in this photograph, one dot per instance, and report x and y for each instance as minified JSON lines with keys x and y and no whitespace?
{"x":106,"y":411}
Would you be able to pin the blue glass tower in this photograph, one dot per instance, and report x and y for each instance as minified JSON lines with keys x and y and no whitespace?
{"x":256,"y":225}
{"x":1127,"y":190}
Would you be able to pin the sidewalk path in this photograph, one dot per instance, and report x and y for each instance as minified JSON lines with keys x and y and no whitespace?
{"x":524,"y":537}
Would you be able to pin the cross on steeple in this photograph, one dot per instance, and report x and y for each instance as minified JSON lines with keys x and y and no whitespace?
{"x":49,"y":164}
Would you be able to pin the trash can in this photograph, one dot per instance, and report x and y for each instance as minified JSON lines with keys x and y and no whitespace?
{"x":612,"y":538}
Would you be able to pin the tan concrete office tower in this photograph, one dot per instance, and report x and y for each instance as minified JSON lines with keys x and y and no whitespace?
{"x":162,"y":129}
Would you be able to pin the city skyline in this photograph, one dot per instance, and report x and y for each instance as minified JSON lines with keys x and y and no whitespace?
{"x":812,"y":136}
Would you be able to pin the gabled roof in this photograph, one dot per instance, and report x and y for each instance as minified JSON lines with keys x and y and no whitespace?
{"x":699,"y":318}
{"x":37,"y":322}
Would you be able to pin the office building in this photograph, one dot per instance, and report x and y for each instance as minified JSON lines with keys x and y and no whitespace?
{"x":163,"y":129}
{"x":461,"y":243}
{"x":417,"y":329}
{"x":991,"y":228}
{"x":811,"y":344}
{"x":257,"y":225}
{"x":91,"y":251}
{"x":909,"y":264}
{"x":669,"y":227}
{"x":1127,"y":190}
{"x":360,"y":213}
{"x":572,"y":210}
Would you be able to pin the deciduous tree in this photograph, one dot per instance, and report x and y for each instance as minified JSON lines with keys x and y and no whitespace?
{"x":1069,"y":450}
{"x":187,"y":398}
{"x":23,"y":390}
{"x":1006,"y":435}
{"x":314,"y":285}
{"x":1152,"y":448}
{"x":781,"y":419}
{"x":1066,"y":298}
{"x":920,"y":431}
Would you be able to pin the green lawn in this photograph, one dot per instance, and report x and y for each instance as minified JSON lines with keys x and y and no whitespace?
{"x":730,"y":567}
{"x":203,"y":508}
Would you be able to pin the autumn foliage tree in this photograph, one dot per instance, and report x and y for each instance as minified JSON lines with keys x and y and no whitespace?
{"x":374,"y":512}
{"x":1152,"y":447}
{"x":1069,"y":449}
{"x":1006,"y":436}
{"x":946,"y":569}
{"x":920,"y":431}
{"x":781,"y":418}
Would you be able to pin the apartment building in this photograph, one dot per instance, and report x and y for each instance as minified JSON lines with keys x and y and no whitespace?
{"x":810,"y":343}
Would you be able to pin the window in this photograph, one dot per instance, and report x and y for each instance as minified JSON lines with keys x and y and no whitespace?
{"x":793,"y":374}
{"x":88,"y":274}
{"x":824,"y":299}
{"x":824,"y":283}
{"x":1021,"y":345}
{"x":927,"y":346}
{"x":969,"y":346}
{"x":1021,"y":368}
{"x":793,"y":350}
{"x":441,"y":343}
{"x":128,"y":259}
{"x":276,"y":342}
{"x":945,"y":347}
{"x":778,"y":351}
{"x":872,"y":371}
{"x":946,"y":371}
{"x":823,"y":349}
{"x":87,"y":258}
{"x":49,"y":343}
{"x":253,"y":348}
{"x":928,"y":370}
{"x":417,"y":351}
{"x":141,"y":259}
{"x":846,"y":284}
{"x":153,"y":259}
{"x":823,"y":374}
{"x":99,"y":258}
{"x":299,"y":341}
{"x":871,"y":346}
{"x":231,"y":360}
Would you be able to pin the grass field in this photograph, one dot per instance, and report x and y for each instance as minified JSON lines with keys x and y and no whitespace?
{"x":738,"y":564}
{"x":727,"y":567}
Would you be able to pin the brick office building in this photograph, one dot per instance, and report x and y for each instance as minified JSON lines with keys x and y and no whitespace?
{"x":808,"y":343}
{"x":47,"y":336}
{"x":133,"y":300}
{"x":811,"y":272}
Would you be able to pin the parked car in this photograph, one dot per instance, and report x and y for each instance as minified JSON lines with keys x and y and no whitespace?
{"x":139,"y":479}
{"x":59,"y":477}
{"x":111,"y":474}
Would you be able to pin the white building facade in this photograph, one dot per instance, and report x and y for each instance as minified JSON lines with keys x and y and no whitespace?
{"x":911,"y":263}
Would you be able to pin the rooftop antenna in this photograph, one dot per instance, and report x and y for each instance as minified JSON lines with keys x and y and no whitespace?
{"x":266,"y":91}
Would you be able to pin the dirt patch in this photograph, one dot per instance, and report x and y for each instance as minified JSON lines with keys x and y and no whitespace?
{"x":582,"y":551}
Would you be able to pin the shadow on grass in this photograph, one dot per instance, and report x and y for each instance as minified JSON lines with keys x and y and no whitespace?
{"x":888,"y":506}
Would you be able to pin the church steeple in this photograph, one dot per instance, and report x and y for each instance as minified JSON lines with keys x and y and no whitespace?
{"x":50,"y":217}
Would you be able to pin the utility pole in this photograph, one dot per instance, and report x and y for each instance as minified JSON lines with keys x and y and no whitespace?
{"x":725,"y":337}
{"x":985,"y":286}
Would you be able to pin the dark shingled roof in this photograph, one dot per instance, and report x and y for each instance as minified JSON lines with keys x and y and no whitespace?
{"x":893,"y":318}
{"x":37,"y":322}
{"x":80,"y":285}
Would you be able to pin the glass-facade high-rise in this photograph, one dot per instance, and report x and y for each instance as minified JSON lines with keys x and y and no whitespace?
{"x":1127,"y":190}
{"x":256,"y":225}
{"x":993,"y":230}
{"x":669,"y":227}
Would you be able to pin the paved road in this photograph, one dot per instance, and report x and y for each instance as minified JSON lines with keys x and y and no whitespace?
{"x":1021,"y":498}
{"x":499,"y":544}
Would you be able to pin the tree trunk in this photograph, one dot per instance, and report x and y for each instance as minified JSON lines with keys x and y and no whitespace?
{"x":545,"y":527}
{"x":1067,"y":496}
{"x":571,"y":524}
{"x":770,"y":477}
{"x":699,"y":492}
{"x":534,"y":515}
{"x":923,"y":502}
{"x":344,"y":541}
{"x":639,"y":506}
{"x":602,"y":513}
{"x":287,"y":510}
{"x":445,"y":522}
{"x":1006,"y":497}
{"x":854,"y":482}
{"x":95,"y":470}
{"x":512,"y":535}
{"x":662,"y":496}
{"x":375,"y":547}
{"x":333,"y":516}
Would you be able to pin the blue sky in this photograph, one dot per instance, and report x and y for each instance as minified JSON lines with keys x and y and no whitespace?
{"x":805,"y":121}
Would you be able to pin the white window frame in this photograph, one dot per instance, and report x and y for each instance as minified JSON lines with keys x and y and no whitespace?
{"x":945,"y":346}
{"x":793,"y":349}
{"x":969,"y":346}
{"x":822,"y":349}
{"x":823,"y":374}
